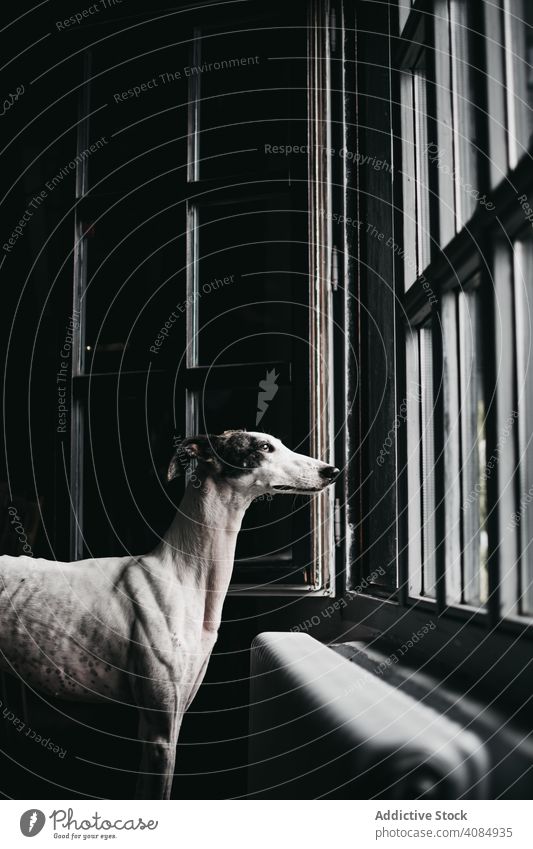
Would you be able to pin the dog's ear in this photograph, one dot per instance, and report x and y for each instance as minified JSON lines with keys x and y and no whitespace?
{"x":193,"y":448}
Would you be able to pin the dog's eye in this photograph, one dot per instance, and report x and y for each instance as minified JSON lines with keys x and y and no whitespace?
{"x":266,"y":446}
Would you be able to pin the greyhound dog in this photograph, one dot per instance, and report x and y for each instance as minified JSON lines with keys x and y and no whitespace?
{"x":142,"y":629}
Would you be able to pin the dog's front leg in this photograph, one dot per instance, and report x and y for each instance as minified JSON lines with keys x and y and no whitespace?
{"x":158,"y":733}
{"x":196,"y":685}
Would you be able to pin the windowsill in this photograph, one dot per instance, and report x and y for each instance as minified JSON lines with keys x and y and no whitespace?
{"x":281,"y":591}
{"x":459,"y":612}
{"x":463,"y":645}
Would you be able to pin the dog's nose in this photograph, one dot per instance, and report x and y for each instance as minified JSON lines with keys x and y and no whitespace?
{"x":329,"y":473}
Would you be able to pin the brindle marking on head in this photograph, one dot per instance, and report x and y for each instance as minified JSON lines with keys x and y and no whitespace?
{"x":238,"y":451}
{"x":231,"y":454}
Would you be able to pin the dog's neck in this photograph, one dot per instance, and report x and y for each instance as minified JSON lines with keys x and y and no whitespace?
{"x":200,"y":543}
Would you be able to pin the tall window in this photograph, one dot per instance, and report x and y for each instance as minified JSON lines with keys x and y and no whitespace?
{"x":201,"y":279}
{"x":463,"y":143}
{"x":439,"y":270}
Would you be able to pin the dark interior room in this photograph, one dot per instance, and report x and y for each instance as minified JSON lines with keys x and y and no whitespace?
{"x":261,"y":243}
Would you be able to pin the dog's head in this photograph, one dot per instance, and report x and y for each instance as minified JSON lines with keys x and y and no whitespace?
{"x":252,"y":462}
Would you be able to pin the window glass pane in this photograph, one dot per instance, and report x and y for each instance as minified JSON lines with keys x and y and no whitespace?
{"x":135,"y":282}
{"x":452,"y":457}
{"x":403,"y":12}
{"x":428,"y":461}
{"x":408,"y":180}
{"x":421,"y":146}
{"x":413,"y":463}
{"x":523,"y":256}
{"x":415,"y":172}
{"x":247,"y":280}
{"x":441,"y":153}
{"x":496,"y":92}
{"x":474,"y":470}
{"x":138,"y":107}
{"x":518,"y":16}
{"x":421,"y":463}
{"x":464,"y":100}
{"x":253,"y":107}
{"x":506,"y":412}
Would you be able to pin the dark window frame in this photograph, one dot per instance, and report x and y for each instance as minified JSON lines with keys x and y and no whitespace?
{"x":454,"y":267}
{"x":323,"y":553}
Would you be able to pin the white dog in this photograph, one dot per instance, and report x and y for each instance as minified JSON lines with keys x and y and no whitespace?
{"x":142,"y":629}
